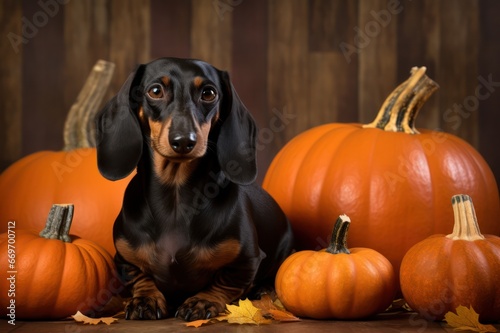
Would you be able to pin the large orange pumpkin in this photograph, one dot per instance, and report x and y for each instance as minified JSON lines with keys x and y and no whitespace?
{"x":29,"y":186}
{"x":52,"y":276}
{"x":443,"y":272}
{"x":395,"y":181}
{"x":336,"y":282}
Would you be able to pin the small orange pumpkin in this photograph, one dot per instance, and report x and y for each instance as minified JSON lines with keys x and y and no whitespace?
{"x":336,"y":282}
{"x":50,"y":277}
{"x":463,"y":268}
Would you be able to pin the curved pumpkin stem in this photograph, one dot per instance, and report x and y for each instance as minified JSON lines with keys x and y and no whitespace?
{"x":59,"y":222}
{"x":338,"y":242}
{"x":400,"y":109}
{"x":466,"y":226}
{"x":79,"y":128}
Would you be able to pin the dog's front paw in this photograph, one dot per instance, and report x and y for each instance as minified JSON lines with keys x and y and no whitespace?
{"x":196,"y":308}
{"x":147,"y":307}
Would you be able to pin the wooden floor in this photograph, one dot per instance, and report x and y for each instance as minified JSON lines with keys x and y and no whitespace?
{"x":386,"y":323}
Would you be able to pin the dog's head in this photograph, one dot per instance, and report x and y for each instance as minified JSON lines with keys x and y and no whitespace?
{"x":180,"y":108}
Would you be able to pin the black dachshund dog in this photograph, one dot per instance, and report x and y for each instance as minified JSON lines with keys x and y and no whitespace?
{"x":195,"y":232}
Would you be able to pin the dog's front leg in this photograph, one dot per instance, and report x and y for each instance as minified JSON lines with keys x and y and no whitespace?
{"x":147,"y":301}
{"x":229,"y":284}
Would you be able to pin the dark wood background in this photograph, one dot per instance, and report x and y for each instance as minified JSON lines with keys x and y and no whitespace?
{"x":284,"y":57}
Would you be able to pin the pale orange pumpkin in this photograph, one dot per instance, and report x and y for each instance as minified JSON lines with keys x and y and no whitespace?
{"x":52,"y":276}
{"x":336,"y":282}
{"x":443,"y":272}
{"x":393,"y":180}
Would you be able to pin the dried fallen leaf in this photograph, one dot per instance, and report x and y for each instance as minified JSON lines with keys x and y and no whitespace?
{"x":80,"y":317}
{"x":244,"y":313}
{"x":265,"y":303}
{"x":198,"y":323}
{"x":256,"y":312}
{"x":108,"y":320}
{"x":273,"y":309}
{"x":466,"y":319}
{"x":278,"y":304}
{"x":281,"y":315}
{"x":399,"y":305}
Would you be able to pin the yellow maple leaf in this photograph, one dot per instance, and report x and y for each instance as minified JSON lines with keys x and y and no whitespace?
{"x":244,"y":313}
{"x":80,"y":317}
{"x":466,"y":319}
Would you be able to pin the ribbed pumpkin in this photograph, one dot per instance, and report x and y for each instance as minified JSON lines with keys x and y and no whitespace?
{"x":392,"y":179}
{"x":34,"y":182}
{"x":50,"y":276}
{"x":443,"y":272}
{"x":30,"y":185}
{"x":336,"y":282}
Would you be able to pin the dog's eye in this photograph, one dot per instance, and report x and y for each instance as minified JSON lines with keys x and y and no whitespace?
{"x":155,"y":92}
{"x":208,"y":94}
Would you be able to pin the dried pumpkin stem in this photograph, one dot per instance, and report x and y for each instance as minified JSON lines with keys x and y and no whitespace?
{"x":400,"y":109}
{"x":338,"y":242}
{"x":466,"y":226}
{"x":59,"y":222}
{"x":79,"y":128}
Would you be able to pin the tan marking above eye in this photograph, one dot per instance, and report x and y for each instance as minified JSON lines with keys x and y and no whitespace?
{"x":165,"y":80}
{"x":198,"y":81}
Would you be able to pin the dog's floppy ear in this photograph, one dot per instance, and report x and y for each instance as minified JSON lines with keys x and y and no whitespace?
{"x":119,"y":137}
{"x":236,"y":142}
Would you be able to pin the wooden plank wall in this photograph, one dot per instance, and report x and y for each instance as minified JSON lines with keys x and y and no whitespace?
{"x":299,"y":62}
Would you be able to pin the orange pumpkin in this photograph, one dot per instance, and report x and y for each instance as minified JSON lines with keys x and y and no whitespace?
{"x":442,"y":272}
{"x":389,"y":177}
{"x":50,"y":277}
{"x":336,"y":282}
{"x":34,"y":182}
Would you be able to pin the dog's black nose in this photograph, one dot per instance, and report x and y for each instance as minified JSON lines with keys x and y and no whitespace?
{"x":182,"y":144}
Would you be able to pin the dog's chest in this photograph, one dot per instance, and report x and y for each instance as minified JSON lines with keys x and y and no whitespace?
{"x":174,"y":260}
{"x":154,"y":255}
{"x":168,"y":247}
